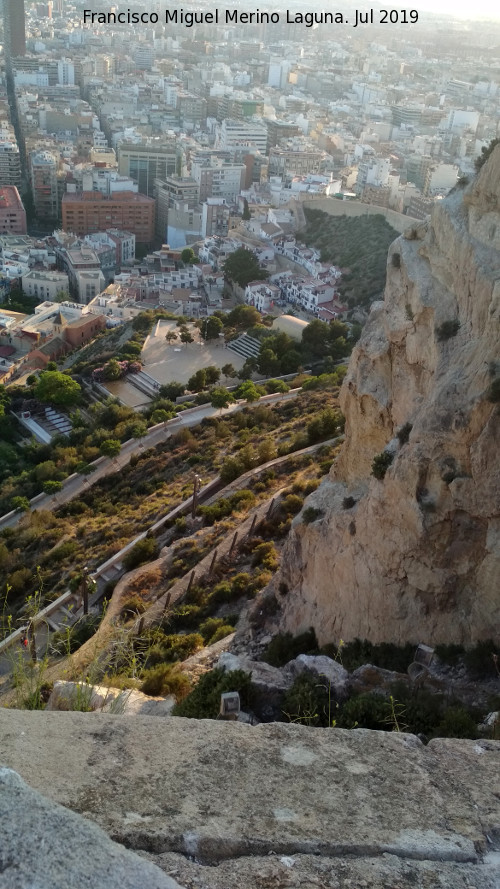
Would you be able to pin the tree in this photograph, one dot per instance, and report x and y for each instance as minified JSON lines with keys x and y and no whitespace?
{"x":316,"y":338}
{"x":52,"y":487}
{"x":269,"y":363}
{"x":171,"y":337}
{"x":21,"y":504}
{"x":160,"y":416}
{"x":186,"y":337}
{"x":242,"y":267}
{"x":229,"y":371}
{"x":211,"y":328}
{"x":112,"y":370}
{"x":61,"y":296}
{"x":243,"y":316}
{"x":57,"y":388}
{"x":188,"y":256}
{"x":198,"y":381}
{"x":212,"y":375}
{"x":172,"y":390}
{"x":277,"y":386}
{"x":246,"y":215}
{"x":486,"y":150}
{"x":248,"y":391}
{"x":110,"y":448}
{"x":220,"y":397}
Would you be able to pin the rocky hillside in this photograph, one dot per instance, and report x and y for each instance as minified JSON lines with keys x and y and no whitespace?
{"x":415,"y":555}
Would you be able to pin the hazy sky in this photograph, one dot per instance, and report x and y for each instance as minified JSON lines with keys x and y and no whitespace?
{"x":471,"y":9}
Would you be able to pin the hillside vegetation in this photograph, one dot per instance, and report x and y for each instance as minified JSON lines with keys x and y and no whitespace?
{"x":358,"y":245}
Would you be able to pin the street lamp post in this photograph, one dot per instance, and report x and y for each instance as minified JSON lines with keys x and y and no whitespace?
{"x":196,"y":489}
{"x":85,"y":590}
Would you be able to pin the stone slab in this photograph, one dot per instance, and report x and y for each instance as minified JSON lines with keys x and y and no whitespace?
{"x":44,"y":846}
{"x":220,"y":792}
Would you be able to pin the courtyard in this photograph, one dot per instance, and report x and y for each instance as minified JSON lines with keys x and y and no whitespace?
{"x":166,"y":362}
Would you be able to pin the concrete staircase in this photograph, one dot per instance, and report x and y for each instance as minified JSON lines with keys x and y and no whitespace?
{"x":144,"y":382}
{"x":246,"y":346}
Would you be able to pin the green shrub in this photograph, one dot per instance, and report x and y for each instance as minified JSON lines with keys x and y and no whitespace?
{"x":309,"y":701}
{"x":292,"y":504}
{"x":449,"y":653}
{"x":67,"y":641}
{"x":62,"y":552}
{"x":285,"y":647}
{"x":166,"y":679}
{"x":131,"y":607}
{"x":311,"y":514}
{"x":365,"y":711}
{"x":176,"y":647}
{"x":184,"y":617}
{"x":211,"y":626}
{"x":221,"y":633}
{"x":480,"y":660}
{"x":204,"y":701}
{"x":265,"y":554}
{"x":448,"y":329}
{"x":144,"y":550}
{"x":381,"y":463}
{"x":385,"y":655}
{"x":456,"y":722}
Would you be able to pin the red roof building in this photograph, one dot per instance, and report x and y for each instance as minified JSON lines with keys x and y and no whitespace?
{"x":12,"y":212}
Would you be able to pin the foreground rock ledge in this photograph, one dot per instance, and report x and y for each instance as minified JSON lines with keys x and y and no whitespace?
{"x":227,"y":805}
{"x":43,"y":846}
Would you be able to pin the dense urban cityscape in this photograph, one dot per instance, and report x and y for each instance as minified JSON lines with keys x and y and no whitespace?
{"x":249,"y":430}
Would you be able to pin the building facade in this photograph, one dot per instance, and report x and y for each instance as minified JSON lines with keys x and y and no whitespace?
{"x":14,"y":29}
{"x":12,"y":212}
{"x":89,"y":212}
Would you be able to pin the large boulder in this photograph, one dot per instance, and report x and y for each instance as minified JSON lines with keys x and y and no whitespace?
{"x":92,"y":698}
{"x":45,"y":846}
{"x":269,"y":684}
{"x":330,"y":671}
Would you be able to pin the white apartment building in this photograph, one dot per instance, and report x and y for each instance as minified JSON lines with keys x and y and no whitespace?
{"x":217,"y":178}
{"x":242,"y":134}
{"x":45,"y":285}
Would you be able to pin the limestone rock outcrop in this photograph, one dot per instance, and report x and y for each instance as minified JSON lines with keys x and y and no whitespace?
{"x":95,"y":698}
{"x":415,"y":556}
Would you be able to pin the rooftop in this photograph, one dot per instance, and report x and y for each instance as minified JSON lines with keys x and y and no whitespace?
{"x":92,"y":197}
{"x":10,"y":197}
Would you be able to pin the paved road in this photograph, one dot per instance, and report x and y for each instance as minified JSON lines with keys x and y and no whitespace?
{"x":75,"y":486}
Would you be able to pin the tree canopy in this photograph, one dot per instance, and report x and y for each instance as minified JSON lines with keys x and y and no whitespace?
{"x":242,"y":267}
{"x":220,"y":397}
{"x":55,"y":387}
{"x":188,"y":256}
{"x":211,"y":327}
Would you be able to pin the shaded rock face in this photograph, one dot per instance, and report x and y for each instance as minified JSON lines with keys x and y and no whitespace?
{"x":417,"y":557}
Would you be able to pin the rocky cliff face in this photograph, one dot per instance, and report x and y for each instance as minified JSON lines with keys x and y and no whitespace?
{"x":417,"y":557}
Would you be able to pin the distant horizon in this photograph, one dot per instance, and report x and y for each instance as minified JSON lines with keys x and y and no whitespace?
{"x":482,"y":9}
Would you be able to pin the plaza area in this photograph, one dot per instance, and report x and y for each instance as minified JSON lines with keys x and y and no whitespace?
{"x":166,"y":362}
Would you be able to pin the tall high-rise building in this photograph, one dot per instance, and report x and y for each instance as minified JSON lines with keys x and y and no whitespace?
{"x":14,"y":28}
